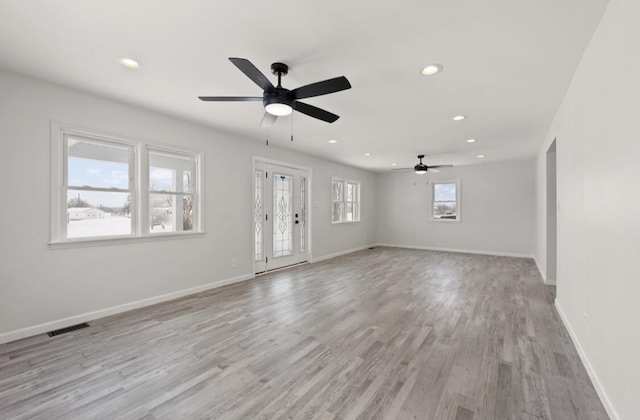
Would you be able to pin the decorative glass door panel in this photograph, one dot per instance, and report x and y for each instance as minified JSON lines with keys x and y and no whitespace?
{"x":258,"y":215}
{"x":281,"y":202}
{"x":303,"y":214}
{"x":282,"y":215}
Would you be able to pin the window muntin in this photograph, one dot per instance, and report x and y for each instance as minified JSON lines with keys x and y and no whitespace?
{"x":345,"y":201}
{"x":101,"y":187}
{"x":446,"y":201}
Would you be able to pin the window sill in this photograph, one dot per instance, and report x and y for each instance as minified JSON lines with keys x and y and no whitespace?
{"x":84,"y":243}
{"x":345,"y":222}
{"x":446,"y":220}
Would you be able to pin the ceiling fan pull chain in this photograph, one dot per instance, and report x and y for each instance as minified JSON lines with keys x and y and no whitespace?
{"x":267,"y":136}
{"x":291,"y":127}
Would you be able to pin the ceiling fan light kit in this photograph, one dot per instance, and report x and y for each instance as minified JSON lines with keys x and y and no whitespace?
{"x":278,"y":109}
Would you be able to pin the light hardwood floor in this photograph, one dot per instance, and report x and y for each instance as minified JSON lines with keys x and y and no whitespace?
{"x":383,"y":333}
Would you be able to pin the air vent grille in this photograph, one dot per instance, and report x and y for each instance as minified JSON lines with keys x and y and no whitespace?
{"x":67,"y":329}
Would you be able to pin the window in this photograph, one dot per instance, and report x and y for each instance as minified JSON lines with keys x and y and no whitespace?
{"x":345,"y":201}
{"x":110,"y":188}
{"x":171,"y":196}
{"x":446,"y":200}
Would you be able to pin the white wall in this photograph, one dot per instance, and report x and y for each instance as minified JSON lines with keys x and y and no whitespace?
{"x":598,"y":282}
{"x":497,"y":209}
{"x":42,"y":288}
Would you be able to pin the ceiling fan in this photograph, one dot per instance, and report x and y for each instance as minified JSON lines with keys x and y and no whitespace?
{"x":421,"y":168}
{"x":279,"y":101}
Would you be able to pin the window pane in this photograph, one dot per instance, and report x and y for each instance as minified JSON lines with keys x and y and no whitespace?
{"x":444,"y":192}
{"x":336,"y":214}
{"x":97,"y":165}
{"x":336,"y":187}
{"x":97,"y":213}
{"x":170,"y":213}
{"x":350,"y":192}
{"x":350,"y":212}
{"x":169,"y":172}
{"x":445,"y":210}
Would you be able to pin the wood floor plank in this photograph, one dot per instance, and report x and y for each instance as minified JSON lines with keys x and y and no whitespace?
{"x":385,"y":333}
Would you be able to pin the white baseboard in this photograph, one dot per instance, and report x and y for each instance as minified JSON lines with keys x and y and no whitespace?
{"x":541,"y":271}
{"x":89,"y":316}
{"x":462,"y":251}
{"x":545,"y":280}
{"x":337,"y":254}
{"x":604,"y":398}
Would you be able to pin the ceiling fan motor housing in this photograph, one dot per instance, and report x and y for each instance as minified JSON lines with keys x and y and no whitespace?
{"x":277,"y":101}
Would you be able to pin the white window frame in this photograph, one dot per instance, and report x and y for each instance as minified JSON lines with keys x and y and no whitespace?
{"x":138,"y":188}
{"x":343,"y":200}
{"x":432,"y":201}
{"x":146,"y":193}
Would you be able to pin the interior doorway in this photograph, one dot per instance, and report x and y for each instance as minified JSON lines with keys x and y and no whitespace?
{"x":281,"y":214}
{"x":552,"y":215}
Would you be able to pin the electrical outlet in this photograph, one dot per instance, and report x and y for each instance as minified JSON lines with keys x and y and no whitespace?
{"x":234,"y":263}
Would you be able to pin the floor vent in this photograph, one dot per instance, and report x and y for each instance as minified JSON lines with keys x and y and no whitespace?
{"x":67,"y":329}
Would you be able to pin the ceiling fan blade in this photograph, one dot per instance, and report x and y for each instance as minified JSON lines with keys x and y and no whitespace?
{"x":252,"y":72}
{"x":315,"y":112}
{"x":268,"y":120}
{"x":230,"y":98}
{"x":440,"y":166}
{"x":322,"y":88}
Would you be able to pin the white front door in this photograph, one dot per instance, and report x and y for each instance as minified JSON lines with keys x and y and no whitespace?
{"x":281,"y":202}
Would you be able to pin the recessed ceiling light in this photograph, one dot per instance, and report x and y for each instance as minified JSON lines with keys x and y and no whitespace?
{"x":333,"y":141}
{"x":432,"y":69}
{"x":393,"y":164}
{"x":480,"y":156}
{"x":459,"y":117}
{"x":367,"y":154}
{"x":472,"y":141}
{"x":129,"y":62}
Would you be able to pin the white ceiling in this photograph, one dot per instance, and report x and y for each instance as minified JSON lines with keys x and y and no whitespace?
{"x":507,"y":65}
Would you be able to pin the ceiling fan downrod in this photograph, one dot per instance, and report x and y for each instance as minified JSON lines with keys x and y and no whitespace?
{"x":279,"y":69}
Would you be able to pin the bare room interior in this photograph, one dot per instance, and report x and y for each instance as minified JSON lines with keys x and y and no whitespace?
{"x":329,"y":210}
